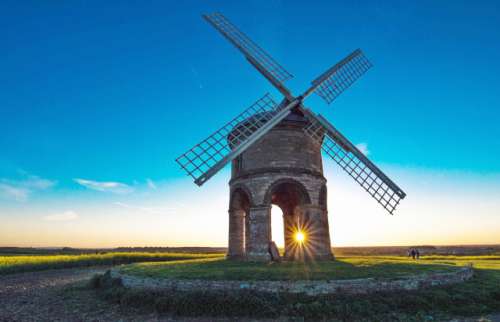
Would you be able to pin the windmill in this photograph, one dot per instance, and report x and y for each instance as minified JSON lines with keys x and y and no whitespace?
{"x":275,"y":150}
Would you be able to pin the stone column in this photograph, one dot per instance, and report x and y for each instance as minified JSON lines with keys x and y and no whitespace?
{"x":236,"y":247}
{"x":290,"y":225}
{"x":318,"y":234}
{"x":259,"y":228}
{"x":247,"y":233}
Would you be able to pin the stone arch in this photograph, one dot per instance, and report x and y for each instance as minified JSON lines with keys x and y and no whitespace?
{"x":240,"y":198}
{"x":298,"y":190}
{"x":291,"y":196}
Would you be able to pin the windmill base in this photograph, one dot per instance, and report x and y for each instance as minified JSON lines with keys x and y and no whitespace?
{"x":250,"y":226}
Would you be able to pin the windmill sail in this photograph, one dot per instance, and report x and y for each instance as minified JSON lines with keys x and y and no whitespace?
{"x":354,"y":162}
{"x":339,"y":77}
{"x":210,"y":155}
{"x":260,"y":59}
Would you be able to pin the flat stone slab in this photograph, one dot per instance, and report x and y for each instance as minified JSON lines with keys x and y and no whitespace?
{"x":313,"y":287}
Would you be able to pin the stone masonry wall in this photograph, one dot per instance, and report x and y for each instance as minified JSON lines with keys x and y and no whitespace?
{"x":284,"y":155}
{"x":283,"y":148}
{"x":311,"y":288}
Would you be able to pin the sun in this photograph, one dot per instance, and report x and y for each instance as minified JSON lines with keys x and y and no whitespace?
{"x":300,"y":237}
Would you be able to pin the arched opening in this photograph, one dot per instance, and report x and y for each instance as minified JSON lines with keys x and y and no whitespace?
{"x":277,"y":227}
{"x":239,"y":206}
{"x":289,"y":195}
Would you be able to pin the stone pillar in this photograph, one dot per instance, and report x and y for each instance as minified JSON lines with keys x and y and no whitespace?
{"x":236,"y":247}
{"x":290,"y":225}
{"x":247,"y":233}
{"x":318,"y":234}
{"x":259,"y":236}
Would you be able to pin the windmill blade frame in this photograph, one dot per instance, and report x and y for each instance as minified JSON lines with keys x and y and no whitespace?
{"x":353,"y":161}
{"x":340,"y":76}
{"x":209,"y":156}
{"x":259,"y":58}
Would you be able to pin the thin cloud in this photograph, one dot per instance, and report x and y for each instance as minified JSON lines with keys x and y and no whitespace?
{"x":363,"y":147}
{"x":20,"y":190}
{"x":105,"y":186}
{"x":151,"y":184}
{"x":63,"y":216}
{"x":37,"y":183}
{"x":8,"y":191}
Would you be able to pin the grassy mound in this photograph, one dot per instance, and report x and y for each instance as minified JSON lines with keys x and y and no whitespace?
{"x":342,"y":268}
{"x":480,"y":295}
{"x":17,"y":264}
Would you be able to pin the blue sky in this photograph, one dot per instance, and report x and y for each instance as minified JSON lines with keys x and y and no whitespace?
{"x":113,"y":93}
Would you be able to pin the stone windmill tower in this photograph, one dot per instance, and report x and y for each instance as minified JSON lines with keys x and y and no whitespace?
{"x":276,"y":154}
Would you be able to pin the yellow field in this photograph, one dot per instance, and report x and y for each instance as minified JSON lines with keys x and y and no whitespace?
{"x":21,"y":263}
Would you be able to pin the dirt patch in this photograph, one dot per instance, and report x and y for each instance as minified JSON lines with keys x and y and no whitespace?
{"x":57,"y":295}
{"x":62,"y":295}
{"x":48,"y":296}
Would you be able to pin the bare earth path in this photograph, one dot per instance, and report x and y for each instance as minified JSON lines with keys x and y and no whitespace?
{"x":59,"y":295}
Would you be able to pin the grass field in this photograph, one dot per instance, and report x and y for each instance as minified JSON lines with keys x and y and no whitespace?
{"x":25,"y":263}
{"x":342,"y":268}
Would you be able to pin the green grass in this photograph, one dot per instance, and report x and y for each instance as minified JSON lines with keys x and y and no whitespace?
{"x":342,"y":268}
{"x":20,"y":263}
{"x":476,"y":297}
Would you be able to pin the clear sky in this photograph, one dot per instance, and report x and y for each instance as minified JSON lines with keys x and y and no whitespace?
{"x":97,"y":100}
